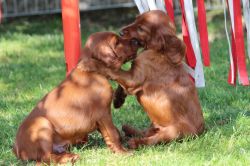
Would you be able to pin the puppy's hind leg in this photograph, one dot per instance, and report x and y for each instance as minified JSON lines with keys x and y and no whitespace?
{"x":164,"y":134}
{"x":131,"y":131}
{"x":60,"y":158}
{"x":45,"y":139}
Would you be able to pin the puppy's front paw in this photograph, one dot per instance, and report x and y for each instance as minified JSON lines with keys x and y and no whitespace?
{"x":128,"y":131}
{"x":133,"y":143}
{"x":74,"y":158}
{"x":65,"y":158}
{"x":120,"y":150}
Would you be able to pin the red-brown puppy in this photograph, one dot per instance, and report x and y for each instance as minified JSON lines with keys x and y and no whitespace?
{"x":159,"y":81}
{"x":77,"y":106}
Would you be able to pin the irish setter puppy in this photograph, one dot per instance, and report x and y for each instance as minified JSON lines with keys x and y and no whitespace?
{"x":159,"y":81}
{"x":79,"y":105}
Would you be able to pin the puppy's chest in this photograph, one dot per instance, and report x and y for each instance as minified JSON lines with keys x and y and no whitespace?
{"x":157,"y":108}
{"x":91,"y":87}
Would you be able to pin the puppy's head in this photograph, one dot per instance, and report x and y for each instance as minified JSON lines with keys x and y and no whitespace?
{"x":154,"y":30}
{"x":111,"y":49}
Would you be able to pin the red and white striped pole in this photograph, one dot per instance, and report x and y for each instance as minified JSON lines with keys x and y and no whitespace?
{"x":202,"y":25}
{"x":238,"y":62}
{"x":71,"y":32}
{"x":1,"y":12}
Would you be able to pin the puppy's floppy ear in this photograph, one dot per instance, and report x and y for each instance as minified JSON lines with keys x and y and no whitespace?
{"x":157,"y":41}
{"x":165,"y":41}
{"x":175,"y":50}
{"x":160,"y":36}
{"x":103,"y":53}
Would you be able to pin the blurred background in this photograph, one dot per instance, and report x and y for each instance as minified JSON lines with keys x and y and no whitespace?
{"x":96,"y":15}
{"x":15,"y":8}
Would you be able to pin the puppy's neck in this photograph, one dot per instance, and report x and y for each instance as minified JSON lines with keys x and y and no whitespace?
{"x":86,"y":53}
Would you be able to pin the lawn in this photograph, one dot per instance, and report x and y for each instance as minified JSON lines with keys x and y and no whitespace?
{"x":32,"y":63}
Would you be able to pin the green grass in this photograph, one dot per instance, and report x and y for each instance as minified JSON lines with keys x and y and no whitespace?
{"x":32,"y":63}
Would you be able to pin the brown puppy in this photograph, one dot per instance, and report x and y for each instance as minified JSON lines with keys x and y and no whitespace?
{"x":77,"y":106}
{"x":159,"y":81}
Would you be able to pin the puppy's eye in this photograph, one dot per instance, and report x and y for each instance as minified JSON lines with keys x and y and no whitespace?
{"x":135,"y":42}
{"x":140,"y":29}
{"x":117,"y":42}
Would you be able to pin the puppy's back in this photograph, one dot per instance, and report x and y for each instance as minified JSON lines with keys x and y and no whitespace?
{"x":72,"y":107}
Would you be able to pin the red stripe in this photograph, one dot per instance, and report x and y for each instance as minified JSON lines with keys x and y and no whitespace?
{"x":239,"y":43}
{"x":202,"y":25}
{"x":170,"y":9}
{"x":71,"y":31}
{"x":190,"y":57}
